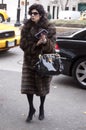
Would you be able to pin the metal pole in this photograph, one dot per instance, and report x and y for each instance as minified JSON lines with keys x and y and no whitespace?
{"x":25,"y":16}
{"x":18,"y":15}
{"x":2,"y":1}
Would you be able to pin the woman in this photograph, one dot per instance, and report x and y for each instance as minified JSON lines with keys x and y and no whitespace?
{"x":32,"y":83}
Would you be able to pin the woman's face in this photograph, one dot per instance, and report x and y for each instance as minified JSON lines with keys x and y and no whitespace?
{"x":35,"y":16}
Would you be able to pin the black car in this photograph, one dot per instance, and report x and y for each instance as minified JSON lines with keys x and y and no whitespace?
{"x":73,"y":52}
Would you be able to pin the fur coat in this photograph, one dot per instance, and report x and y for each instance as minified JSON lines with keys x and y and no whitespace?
{"x":31,"y":82}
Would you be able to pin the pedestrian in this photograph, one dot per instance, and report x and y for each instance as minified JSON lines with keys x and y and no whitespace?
{"x":49,"y":15}
{"x":31,"y":82}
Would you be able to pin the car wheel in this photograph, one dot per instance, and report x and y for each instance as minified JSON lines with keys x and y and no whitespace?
{"x":1,"y":18}
{"x":79,"y":72}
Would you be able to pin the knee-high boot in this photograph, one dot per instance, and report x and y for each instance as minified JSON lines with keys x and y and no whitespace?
{"x":31,"y":107}
{"x":41,"y":108}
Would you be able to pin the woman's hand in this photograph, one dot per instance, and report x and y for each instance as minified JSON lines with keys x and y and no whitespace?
{"x":43,"y":37}
{"x":42,"y":40}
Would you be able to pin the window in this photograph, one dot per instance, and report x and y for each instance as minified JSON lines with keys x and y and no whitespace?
{"x":48,"y":8}
{"x":54,"y":11}
{"x":73,"y":8}
{"x":66,"y":8}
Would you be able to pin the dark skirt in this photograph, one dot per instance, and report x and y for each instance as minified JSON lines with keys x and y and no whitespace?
{"x":32,"y":83}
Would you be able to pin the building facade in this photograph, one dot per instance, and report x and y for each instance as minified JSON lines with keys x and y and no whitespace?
{"x":51,"y":6}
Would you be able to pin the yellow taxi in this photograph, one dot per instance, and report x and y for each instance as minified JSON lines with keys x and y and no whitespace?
{"x":9,"y":36}
{"x":3,"y":15}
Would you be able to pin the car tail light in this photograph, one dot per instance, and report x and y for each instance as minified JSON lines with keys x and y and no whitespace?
{"x":57,"y":47}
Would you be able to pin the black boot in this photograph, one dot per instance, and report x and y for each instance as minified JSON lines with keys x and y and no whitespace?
{"x":41,"y":113}
{"x":31,"y":107}
{"x":41,"y":108}
{"x":30,"y":115}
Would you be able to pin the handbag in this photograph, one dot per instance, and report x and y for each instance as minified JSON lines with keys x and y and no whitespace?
{"x":49,"y":64}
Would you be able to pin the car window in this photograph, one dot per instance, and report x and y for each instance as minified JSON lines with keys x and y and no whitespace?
{"x":80,"y":36}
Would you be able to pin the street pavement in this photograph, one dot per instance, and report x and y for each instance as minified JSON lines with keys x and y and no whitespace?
{"x":65,"y":106}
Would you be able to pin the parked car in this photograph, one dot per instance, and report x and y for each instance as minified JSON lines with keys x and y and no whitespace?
{"x":73,"y":50}
{"x":9,"y":36}
{"x":3,"y":16}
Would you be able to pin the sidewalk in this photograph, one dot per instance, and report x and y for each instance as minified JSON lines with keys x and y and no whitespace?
{"x":64,"y":105}
{"x":14,"y":107}
{"x":61,"y":31}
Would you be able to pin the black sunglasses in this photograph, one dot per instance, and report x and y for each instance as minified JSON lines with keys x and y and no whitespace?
{"x":34,"y":13}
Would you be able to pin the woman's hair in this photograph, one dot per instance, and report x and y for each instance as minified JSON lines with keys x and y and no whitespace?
{"x":39,"y":8}
{"x":42,"y":23}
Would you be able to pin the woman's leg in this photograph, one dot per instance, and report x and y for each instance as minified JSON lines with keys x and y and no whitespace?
{"x":30,"y":100}
{"x":31,"y":107}
{"x":41,"y":109}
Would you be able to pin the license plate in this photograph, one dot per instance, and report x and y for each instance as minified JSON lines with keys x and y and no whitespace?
{"x":10,"y":44}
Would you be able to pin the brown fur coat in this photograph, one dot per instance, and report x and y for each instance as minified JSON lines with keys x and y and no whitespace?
{"x":31,"y":82}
